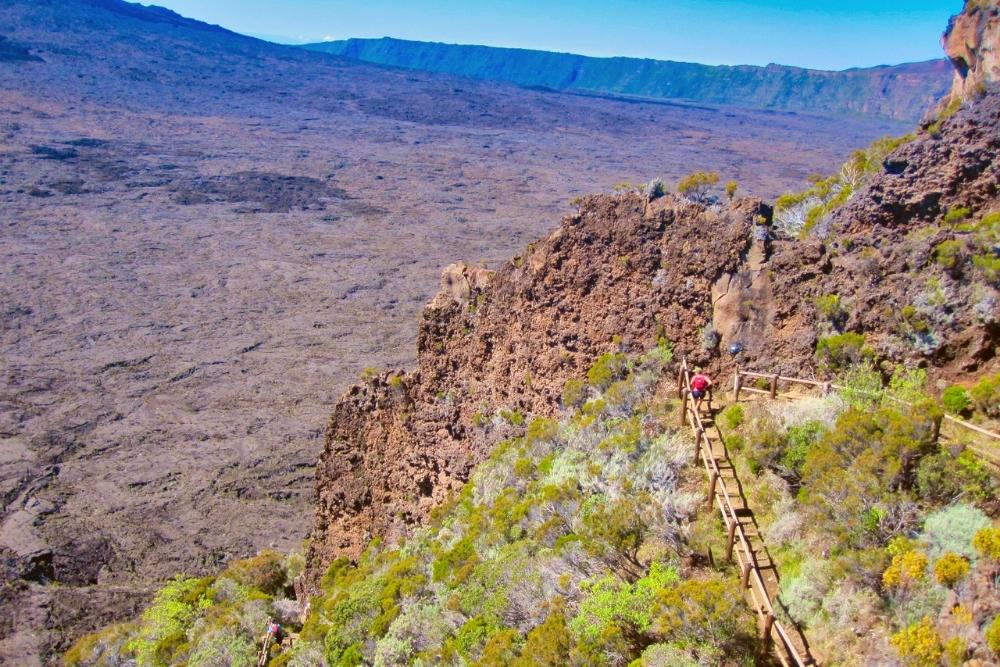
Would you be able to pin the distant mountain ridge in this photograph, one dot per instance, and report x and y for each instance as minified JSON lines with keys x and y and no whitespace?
{"x":901,"y":92}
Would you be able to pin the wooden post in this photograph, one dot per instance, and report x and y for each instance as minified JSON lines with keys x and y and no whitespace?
{"x":937,"y":429}
{"x":768,"y":623}
{"x":697,"y":444}
{"x":684,"y":407}
{"x":731,"y":539}
{"x":746,"y":575}
{"x":711,"y":488}
{"x":736,"y":386}
{"x":680,"y":382}
{"x":774,"y":386}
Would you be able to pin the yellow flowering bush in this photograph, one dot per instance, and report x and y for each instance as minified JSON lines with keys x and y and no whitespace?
{"x":906,"y":568}
{"x":987,"y":543}
{"x":919,"y":645}
{"x":950,"y":569}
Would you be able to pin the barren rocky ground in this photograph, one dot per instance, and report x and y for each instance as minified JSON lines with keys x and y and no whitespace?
{"x":205,"y":238}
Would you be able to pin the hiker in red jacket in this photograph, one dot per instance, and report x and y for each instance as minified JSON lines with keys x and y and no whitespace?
{"x":701,"y":384}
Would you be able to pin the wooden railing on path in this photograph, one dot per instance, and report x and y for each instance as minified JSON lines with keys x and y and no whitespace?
{"x":790,"y":646}
{"x":989,"y":454}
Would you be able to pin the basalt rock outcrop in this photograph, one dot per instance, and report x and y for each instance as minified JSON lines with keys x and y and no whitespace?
{"x":970,"y":42}
{"x":497,"y":345}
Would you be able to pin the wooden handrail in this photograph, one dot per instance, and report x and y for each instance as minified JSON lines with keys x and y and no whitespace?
{"x":736,"y":535}
{"x":817,"y":383}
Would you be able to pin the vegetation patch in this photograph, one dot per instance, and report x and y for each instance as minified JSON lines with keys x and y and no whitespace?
{"x":801,"y":214}
{"x":568,"y":546}
{"x":868,"y":517}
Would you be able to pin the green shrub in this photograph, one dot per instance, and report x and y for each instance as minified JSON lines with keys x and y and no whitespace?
{"x":549,"y":643}
{"x":541,"y":429}
{"x":957,"y":215}
{"x":609,"y":367}
{"x":842,"y":350}
{"x":945,"y":478}
{"x":799,"y":440}
{"x":661,"y":355}
{"x":800,"y":213}
{"x":829,"y":306}
{"x":908,"y":384}
{"x":228,"y":647}
{"x":765,"y":444}
{"x":955,"y":650}
{"x":512,"y":417}
{"x":948,"y":254}
{"x":501,"y":649}
{"x":613,"y":606}
{"x":956,"y":400}
{"x":950,"y":569}
{"x":162,"y":638}
{"x":265,"y":572}
{"x":574,"y":391}
{"x":855,"y":477}
{"x":986,"y":395}
{"x":99,"y":648}
{"x":674,"y":654}
{"x":989,"y":264}
{"x":861,"y":385}
{"x":702,"y":610}
{"x":732,"y":416}
{"x":697,"y":184}
{"x":615,"y":529}
{"x":952,"y":529}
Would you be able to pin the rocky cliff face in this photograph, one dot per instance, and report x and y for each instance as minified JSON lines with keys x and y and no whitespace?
{"x":495,"y":346}
{"x":885,"y":259}
{"x":901,"y":92}
{"x":971,"y":44}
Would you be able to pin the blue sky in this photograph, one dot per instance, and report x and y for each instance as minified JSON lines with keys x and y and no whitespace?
{"x":828,"y":34}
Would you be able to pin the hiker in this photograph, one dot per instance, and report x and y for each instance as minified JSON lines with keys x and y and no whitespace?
{"x":701,"y":384}
{"x":277,"y":633}
{"x":271,"y":641}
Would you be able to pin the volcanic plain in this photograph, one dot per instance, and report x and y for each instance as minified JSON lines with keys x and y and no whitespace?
{"x":204,"y":238}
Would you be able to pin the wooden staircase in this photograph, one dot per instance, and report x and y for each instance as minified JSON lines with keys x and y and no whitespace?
{"x":759,"y":576}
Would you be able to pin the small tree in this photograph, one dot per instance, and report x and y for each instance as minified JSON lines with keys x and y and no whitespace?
{"x":731,"y":188}
{"x":696,"y":185}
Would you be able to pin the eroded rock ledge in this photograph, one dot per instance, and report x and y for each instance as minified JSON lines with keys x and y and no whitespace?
{"x":619,"y":273}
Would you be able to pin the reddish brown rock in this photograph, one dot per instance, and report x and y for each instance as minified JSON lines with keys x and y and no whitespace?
{"x":616,"y":275}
